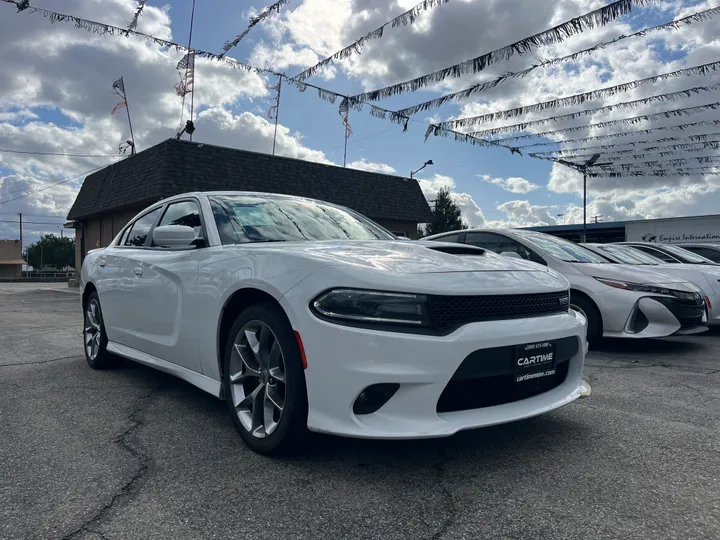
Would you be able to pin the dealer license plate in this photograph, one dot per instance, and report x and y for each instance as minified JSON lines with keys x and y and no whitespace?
{"x":534,"y":361}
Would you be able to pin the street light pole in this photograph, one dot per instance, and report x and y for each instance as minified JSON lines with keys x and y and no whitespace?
{"x":583,"y":167}
{"x":584,"y":237}
{"x":428,"y":162}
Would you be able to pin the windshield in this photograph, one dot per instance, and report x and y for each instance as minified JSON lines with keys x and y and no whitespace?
{"x":249,"y":218}
{"x":629,"y":255}
{"x":685,"y":255}
{"x":563,"y":250}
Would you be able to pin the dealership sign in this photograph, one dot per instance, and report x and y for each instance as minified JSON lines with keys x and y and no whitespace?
{"x":674,"y":231}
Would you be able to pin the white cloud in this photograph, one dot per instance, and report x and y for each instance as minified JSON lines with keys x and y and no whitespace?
{"x":514,"y":184}
{"x":365,"y":165}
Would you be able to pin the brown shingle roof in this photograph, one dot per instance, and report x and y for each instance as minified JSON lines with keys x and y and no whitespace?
{"x":174,"y":167}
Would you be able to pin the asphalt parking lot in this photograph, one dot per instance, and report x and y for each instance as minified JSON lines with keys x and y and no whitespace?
{"x":135,"y":454}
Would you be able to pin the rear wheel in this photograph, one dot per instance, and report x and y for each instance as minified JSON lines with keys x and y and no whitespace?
{"x":94,"y":336}
{"x":266,"y":392}
{"x":591,"y":313}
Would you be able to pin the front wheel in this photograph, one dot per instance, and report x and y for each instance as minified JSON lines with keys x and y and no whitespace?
{"x":266,"y":391}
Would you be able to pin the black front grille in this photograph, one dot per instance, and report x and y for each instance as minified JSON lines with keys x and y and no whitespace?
{"x":449,"y":312}
{"x":486,"y":378}
{"x":689,"y":313}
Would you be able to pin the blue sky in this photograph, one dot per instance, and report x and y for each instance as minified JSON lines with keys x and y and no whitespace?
{"x":447,"y":34}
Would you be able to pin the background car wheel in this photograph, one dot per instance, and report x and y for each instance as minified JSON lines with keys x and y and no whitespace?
{"x":591,"y":313}
{"x":266,"y":392}
{"x":94,"y":336}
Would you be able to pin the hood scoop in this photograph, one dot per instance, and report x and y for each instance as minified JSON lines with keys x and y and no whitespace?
{"x":458,"y":250}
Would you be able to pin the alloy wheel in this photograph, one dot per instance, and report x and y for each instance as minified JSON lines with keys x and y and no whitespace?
{"x":93,"y":329}
{"x":257,"y":378}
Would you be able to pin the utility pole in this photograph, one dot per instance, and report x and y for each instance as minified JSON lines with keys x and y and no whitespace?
{"x":21,"y":243}
{"x":41,"y":257}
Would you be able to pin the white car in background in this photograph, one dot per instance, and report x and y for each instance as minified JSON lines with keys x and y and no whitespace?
{"x":303,"y":314}
{"x":707,"y":278}
{"x":617,"y":300}
{"x":707,"y":250}
{"x":669,"y":253}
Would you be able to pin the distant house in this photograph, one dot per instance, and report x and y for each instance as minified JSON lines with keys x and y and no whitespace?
{"x":11,"y":261}
{"x":112,"y":196}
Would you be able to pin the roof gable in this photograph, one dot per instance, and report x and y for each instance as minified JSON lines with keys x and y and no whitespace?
{"x":174,"y":167}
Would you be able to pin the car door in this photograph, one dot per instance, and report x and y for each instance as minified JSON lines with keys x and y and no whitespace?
{"x":164,"y":284}
{"x":115,"y":284}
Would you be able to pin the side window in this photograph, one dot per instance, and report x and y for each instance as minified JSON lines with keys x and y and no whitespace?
{"x":137,"y":234}
{"x":657,"y":253}
{"x":448,"y":238}
{"x":499,"y":244}
{"x":184,"y":213}
{"x":705,"y":252}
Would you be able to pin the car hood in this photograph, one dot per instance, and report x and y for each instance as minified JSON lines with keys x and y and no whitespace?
{"x":400,"y":257}
{"x":623,"y":272}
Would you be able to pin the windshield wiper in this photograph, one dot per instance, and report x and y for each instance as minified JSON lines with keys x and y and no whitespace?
{"x":264,"y":241}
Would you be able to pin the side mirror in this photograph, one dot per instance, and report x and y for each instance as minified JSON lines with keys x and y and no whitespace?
{"x":173,"y":236}
{"x":512,"y":254}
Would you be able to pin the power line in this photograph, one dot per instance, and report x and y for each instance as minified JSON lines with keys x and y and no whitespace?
{"x":32,"y":192}
{"x":38,"y":153}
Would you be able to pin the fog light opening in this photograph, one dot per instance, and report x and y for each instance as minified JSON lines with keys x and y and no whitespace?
{"x":373,"y":397}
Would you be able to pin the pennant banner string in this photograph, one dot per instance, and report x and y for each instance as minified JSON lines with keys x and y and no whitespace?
{"x":487,"y":85}
{"x":686,"y":138}
{"x":677,"y":162}
{"x":610,"y":91}
{"x":132,"y":25}
{"x":573,"y":152}
{"x":692,"y":171}
{"x":354,"y":48}
{"x":677,"y":127}
{"x":108,"y":29}
{"x":557,"y":34}
{"x":663,"y":151}
{"x":672,"y":97}
{"x":623,"y":121}
{"x":253,"y":21}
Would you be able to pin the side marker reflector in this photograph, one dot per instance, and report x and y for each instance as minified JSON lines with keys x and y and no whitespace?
{"x":302,"y":349}
{"x":707,"y":301}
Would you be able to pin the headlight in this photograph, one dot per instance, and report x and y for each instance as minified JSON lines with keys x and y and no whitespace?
{"x":689,"y":295}
{"x":638,"y":287}
{"x":373,"y":307}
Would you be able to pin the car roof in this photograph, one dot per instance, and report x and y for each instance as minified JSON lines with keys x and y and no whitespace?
{"x":700,"y":244}
{"x":244,"y":194}
{"x":459,"y":231}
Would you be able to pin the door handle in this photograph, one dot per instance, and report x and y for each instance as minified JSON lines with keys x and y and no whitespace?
{"x":138,"y":271}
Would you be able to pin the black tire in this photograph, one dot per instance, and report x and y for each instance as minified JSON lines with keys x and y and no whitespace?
{"x":97,"y":358}
{"x":594,"y":319}
{"x":291,"y":426}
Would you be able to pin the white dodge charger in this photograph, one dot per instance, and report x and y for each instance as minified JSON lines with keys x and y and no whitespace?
{"x":306,"y":315}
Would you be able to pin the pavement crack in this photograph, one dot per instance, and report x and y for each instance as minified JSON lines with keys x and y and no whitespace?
{"x":128,"y":442}
{"x":448,"y":499}
{"x":40,"y":361}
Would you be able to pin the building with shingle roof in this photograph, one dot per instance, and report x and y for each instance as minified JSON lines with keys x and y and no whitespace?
{"x":111,"y":197}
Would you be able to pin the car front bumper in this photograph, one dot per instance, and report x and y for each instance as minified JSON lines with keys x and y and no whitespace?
{"x":635,"y":315}
{"x":434,"y":391}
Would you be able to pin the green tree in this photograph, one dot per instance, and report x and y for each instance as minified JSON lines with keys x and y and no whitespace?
{"x":446,"y":215}
{"x":51,"y":252}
